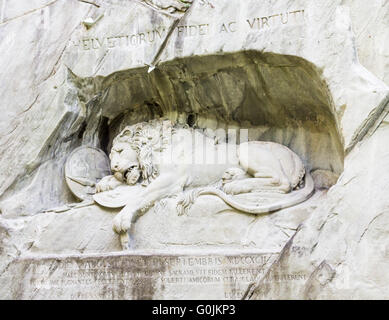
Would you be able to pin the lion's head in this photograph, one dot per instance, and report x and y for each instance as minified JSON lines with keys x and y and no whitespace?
{"x":133,"y":151}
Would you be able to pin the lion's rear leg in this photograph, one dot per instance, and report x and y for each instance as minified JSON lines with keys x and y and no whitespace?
{"x":252,"y":185}
{"x":280,"y":182}
{"x":263,"y":179}
{"x":272,"y":179}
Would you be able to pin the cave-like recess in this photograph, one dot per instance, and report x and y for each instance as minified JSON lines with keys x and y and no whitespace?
{"x":278,"y":98}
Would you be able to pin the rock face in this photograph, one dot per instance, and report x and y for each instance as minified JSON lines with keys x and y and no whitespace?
{"x":309,"y":75}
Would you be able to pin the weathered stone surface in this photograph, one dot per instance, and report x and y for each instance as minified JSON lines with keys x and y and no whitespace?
{"x":79,"y":230}
{"x":369,"y":22}
{"x":343,"y":245}
{"x":311,"y":75}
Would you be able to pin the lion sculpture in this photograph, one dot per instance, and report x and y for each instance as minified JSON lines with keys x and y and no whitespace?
{"x":162,"y":158}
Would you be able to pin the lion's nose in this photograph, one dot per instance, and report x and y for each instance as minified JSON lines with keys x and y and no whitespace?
{"x":116,"y":167}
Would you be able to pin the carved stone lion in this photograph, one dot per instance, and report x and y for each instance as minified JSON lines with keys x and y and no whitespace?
{"x":168,"y":159}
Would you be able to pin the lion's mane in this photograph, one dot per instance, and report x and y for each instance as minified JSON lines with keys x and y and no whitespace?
{"x":146,"y":138}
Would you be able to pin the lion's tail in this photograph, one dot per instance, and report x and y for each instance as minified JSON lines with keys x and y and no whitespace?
{"x":290,"y":200}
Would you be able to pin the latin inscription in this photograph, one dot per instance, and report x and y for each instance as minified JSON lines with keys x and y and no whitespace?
{"x":276,"y":20}
{"x":193,"y":30}
{"x":145,"y":277}
{"x":157,"y":35}
{"x":121,"y":41}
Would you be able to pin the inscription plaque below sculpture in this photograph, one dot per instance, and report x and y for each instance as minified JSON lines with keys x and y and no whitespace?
{"x":143,"y":276}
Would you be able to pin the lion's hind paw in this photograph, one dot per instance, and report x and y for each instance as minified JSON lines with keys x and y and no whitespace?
{"x":183,"y":207}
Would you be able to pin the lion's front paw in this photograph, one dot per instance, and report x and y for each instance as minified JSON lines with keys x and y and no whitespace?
{"x":106,"y":184}
{"x":101,"y":187}
{"x":122,"y":222}
{"x":235,"y":187}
